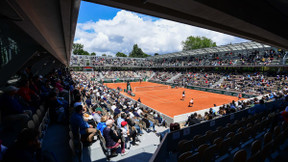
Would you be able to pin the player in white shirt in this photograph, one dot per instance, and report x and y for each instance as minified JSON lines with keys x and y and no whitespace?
{"x":191,"y":102}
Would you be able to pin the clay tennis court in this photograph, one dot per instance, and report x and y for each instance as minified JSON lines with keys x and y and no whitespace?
{"x":167,"y":101}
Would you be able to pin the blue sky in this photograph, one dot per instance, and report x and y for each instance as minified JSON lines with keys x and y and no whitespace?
{"x":102,"y":29}
{"x":94,"y":12}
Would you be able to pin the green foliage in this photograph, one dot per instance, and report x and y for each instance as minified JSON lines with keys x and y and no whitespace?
{"x":156,"y":54}
{"x":120,"y":54}
{"x":197,"y":42}
{"x":93,"y":54}
{"x":137,"y":52}
{"x":104,"y":54}
{"x":78,"y":49}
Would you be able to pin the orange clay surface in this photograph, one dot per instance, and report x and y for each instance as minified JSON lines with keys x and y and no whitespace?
{"x":168,"y":101}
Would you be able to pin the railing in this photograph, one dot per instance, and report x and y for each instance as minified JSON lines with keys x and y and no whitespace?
{"x":176,"y":66}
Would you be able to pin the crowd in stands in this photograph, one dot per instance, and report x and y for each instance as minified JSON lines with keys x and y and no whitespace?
{"x":116,"y":120}
{"x":163,"y":76}
{"x":119,"y":120}
{"x":118,"y":74}
{"x":144,"y":73}
{"x":236,"y":58}
{"x":254,"y":83}
{"x":255,"y":57}
{"x":260,"y":136}
{"x":198,"y":79}
{"x":255,"y":106}
{"x":247,"y":83}
{"x":25,"y":106}
{"x":108,"y":61}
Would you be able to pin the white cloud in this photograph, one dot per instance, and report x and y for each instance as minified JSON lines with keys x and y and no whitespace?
{"x":152,"y":36}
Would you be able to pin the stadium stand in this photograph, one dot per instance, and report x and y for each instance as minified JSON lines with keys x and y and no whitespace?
{"x":235,"y":55}
{"x":38,"y":93}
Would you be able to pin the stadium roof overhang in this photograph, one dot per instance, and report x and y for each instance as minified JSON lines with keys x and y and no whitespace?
{"x":262,"y":21}
{"x":51,"y":23}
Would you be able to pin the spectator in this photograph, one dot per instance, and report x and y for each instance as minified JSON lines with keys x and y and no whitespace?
{"x":113,"y":107}
{"x":27,"y":148}
{"x":12,"y":110}
{"x":46,"y":89}
{"x":258,"y":108}
{"x":132,"y":129}
{"x":77,"y":122}
{"x":88,"y":101}
{"x":149,"y":124}
{"x":56,"y":110}
{"x":137,"y":124}
{"x":59,"y":86}
{"x":120,"y":118}
{"x":125,"y":133}
{"x":97,"y":115}
{"x":192,"y":120}
{"x":28,"y":95}
{"x":111,"y":138}
{"x":173,"y":127}
{"x":102,"y":124}
{"x":103,"y":105}
{"x":161,"y":121}
{"x":77,"y":99}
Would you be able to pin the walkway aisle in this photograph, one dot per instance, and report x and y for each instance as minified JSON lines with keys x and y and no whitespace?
{"x":141,"y":153}
{"x":56,"y":140}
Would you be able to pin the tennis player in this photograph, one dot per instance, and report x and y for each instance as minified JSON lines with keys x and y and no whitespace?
{"x":191,"y":102}
{"x":239,"y":96}
{"x":183,"y":95}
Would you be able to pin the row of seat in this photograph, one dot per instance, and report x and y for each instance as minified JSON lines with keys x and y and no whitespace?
{"x":271,"y":146}
{"x":40,"y":121}
{"x":225,"y":141}
{"x":210,"y":136}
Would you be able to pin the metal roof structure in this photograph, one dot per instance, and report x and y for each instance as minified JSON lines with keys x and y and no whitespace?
{"x":218,"y":49}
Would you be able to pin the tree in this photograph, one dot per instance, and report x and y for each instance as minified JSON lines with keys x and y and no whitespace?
{"x":120,"y":54}
{"x":78,"y":49}
{"x":156,"y":54}
{"x":137,"y":52}
{"x":103,"y":54}
{"x":197,"y":42}
{"x":93,"y":54}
